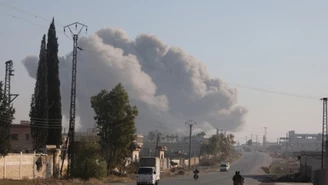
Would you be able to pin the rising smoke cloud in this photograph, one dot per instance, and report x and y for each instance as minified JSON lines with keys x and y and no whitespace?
{"x":168,"y":86}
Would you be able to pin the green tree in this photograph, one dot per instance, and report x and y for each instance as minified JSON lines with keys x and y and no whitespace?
{"x":54,"y":97}
{"x":218,"y":143}
{"x":39,"y":102}
{"x":249,"y":142}
{"x":7,"y":116}
{"x":226,"y":144}
{"x":201,"y":134}
{"x":152,"y":135}
{"x":115,"y":119}
{"x":89,"y":162}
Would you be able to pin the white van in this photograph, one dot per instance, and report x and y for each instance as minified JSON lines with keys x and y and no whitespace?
{"x":224,"y":167}
{"x":148,"y":171}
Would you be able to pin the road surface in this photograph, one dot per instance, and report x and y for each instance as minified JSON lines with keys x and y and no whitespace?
{"x":249,"y":166}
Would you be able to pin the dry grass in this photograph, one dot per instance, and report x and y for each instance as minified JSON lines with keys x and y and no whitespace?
{"x":116,"y":179}
{"x":281,"y":166}
{"x":112,"y":179}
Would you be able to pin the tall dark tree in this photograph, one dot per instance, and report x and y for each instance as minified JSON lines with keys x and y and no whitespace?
{"x":54,"y":97}
{"x":39,"y":102}
{"x":7,"y":116}
{"x":115,"y":119}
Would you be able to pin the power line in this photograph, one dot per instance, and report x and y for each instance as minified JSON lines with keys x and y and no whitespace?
{"x":231,"y":84}
{"x":11,"y":6}
{"x":34,"y":118}
{"x":275,"y":92}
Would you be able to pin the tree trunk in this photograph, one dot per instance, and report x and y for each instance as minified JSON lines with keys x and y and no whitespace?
{"x":108,"y":168}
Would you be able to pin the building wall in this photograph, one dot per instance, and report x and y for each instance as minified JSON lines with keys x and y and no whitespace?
{"x":320,"y":177}
{"x":194,"y":161}
{"x":21,"y":166}
{"x":303,"y":142}
{"x":21,"y":139}
{"x":135,"y":155}
{"x":309,"y":164}
{"x":172,"y":148}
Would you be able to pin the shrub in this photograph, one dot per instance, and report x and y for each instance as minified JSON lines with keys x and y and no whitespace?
{"x":89,"y":163}
{"x":266,"y":169}
{"x":208,"y":162}
{"x":132,"y":168}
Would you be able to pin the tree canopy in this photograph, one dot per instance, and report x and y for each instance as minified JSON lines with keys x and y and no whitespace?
{"x":45,"y":112}
{"x":216,"y":144}
{"x":115,"y":119}
{"x":201,"y":134}
{"x":249,"y":142}
{"x":39,"y":102}
{"x":54,"y":96}
{"x":152,"y":135}
{"x":7,"y":116}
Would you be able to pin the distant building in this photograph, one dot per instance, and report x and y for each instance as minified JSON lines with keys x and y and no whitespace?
{"x":301,"y":142}
{"x":148,"y":149}
{"x":20,"y":137}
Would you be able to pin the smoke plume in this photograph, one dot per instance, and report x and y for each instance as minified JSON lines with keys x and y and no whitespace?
{"x":168,"y":86}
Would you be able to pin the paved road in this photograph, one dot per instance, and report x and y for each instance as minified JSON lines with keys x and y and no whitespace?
{"x":248,"y":165}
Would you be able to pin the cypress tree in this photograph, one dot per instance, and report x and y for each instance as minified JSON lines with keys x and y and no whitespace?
{"x":54,"y":97}
{"x":39,"y":102}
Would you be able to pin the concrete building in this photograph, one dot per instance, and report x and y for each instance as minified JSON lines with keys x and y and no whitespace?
{"x":300,"y":142}
{"x":21,"y":139}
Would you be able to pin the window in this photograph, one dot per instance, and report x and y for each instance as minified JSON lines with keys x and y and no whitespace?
{"x":14,"y":137}
{"x":145,"y":171}
{"x":27,"y":136}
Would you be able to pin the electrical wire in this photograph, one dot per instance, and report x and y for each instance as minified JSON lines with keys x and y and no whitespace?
{"x":37,"y":120}
{"x":11,"y":6}
{"x":33,"y":118}
{"x":169,"y":71}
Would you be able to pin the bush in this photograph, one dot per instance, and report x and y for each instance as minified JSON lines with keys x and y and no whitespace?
{"x":132,"y":168}
{"x":91,"y":168}
{"x":266,"y":169}
{"x":208,"y":162}
{"x":89,"y":163}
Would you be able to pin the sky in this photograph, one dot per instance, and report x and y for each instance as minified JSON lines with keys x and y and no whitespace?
{"x":270,"y":45}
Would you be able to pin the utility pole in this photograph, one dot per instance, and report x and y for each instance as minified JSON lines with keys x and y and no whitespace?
{"x":69,"y":144}
{"x":252,"y":137}
{"x":246,"y":139}
{"x":324,"y":133}
{"x":218,"y":137}
{"x":218,"y":134}
{"x":156,"y":147}
{"x":256,"y":141}
{"x":191,"y":124}
{"x":286,"y":141}
{"x":277,"y":140}
{"x":265,"y":136}
{"x":8,"y":97}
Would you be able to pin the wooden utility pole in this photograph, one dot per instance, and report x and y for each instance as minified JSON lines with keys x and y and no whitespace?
{"x":190,"y":123}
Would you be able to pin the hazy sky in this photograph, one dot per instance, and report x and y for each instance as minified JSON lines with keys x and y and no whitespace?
{"x":273,"y":45}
